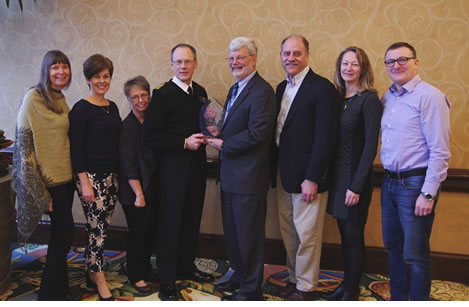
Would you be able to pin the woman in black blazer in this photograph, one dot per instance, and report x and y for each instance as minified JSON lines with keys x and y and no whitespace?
{"x":137,"y":169}
{"x":351,"y":185}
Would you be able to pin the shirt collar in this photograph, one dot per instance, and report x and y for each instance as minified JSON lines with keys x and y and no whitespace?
{"x":408,"y":87}
{"x":181,"y":84}
{"x":245,"y":81}
{"x":298,"y":78}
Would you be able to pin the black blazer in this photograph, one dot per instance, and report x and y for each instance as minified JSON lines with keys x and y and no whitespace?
{"x":172,"y":116}
{"x":247,"y":136}
{"x":308,"y":138}
{"x":353,"y":164}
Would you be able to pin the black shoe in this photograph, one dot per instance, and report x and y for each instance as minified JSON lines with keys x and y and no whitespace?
{"x":111,"y":298}
{"x":299,"y":295}
{"x":198,"y":276}
{"x":242,"y":297}
{"x":287,"y":290}
{"x":227,"y":286}
{"x":335,"y":295}
{"x":92,"y":285}
{"x":351,"y":295}
{"x":168,"y":292}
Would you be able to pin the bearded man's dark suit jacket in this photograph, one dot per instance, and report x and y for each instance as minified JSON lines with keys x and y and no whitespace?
{"x":309,"y":135}
{"x":172,"y":116}
{"x":244,"y":177}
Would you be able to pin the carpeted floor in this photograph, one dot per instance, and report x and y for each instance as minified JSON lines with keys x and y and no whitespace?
{"x":27,"y":270}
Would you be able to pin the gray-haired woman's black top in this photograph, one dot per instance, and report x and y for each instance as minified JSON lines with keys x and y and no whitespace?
{"x":136,"y":161}
{"x":353,"y":166}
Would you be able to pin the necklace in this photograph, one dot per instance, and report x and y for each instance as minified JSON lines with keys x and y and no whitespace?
{"x":348,"y":100}
{"x":105,"y":109}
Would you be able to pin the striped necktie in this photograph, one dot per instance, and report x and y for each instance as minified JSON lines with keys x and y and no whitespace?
{"x":234,"y":93}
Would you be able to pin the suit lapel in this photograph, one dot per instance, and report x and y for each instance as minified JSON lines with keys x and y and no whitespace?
{"x":240,"y":99}
{"x":280,"y":90}
{"x":300,"y":95}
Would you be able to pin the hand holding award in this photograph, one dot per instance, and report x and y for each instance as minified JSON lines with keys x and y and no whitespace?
{"x":211,"y":118}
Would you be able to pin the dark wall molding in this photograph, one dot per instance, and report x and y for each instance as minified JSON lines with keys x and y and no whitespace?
{"x":456,"y":181}
{"x":445,"y":266}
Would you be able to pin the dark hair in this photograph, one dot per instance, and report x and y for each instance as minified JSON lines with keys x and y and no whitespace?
{"x":138,"y":81}
{"x":366,"y":81}
{"x":96,"y":64}
{"x":402,"y":44}
{"x":182,"y":45}
{"x":305,"y":41}
{"x":44,"y":86}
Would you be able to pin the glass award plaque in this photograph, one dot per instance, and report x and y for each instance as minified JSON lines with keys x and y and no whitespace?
{"x":211,"y":118}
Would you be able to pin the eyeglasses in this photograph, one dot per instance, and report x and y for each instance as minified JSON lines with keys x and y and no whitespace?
{"x":296,"y":54}
{"x":185,"y":62}
{"x":239,"y":58}
{"x":136,"y":98}
{"x":401,"y":61}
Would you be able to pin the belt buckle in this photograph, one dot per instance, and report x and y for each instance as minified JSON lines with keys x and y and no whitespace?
{"x":398,"y":175}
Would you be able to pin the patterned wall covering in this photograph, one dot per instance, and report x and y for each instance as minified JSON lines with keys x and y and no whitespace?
{"x":137,"y":35}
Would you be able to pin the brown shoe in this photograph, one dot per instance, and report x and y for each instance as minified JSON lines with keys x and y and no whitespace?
{"x":287,"y":290}
{"x":299,"y":295}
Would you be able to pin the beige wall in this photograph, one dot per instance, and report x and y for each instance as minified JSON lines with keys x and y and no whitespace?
{"x":137,"y":35}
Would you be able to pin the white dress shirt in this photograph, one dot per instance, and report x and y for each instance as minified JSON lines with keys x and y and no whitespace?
{"x":182,"y":85}
{"x":291,"y":89}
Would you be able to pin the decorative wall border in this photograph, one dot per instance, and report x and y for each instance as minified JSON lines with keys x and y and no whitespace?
{"x":457,"y":180}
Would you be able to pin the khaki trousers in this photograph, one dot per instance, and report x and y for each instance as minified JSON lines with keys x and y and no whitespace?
{"x":301,"y":227}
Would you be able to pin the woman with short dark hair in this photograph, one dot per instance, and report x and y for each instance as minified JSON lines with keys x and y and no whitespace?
{"x":351,"y":188}
{"x":94,"y":135}
{"x":42,"y":170}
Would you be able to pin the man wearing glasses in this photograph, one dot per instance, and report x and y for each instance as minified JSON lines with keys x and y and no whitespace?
{"x":244,"y":145}
{"x":415,"y":153}
{"x":172,"y":129}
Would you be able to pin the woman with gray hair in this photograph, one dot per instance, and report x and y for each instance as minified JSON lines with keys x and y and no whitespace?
{"x":135,"y":181}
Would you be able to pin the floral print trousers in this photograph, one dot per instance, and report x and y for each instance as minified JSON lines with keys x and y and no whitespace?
{"x":98,"y":215}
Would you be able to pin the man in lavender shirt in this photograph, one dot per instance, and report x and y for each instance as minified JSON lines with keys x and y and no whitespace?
{"x":415,"y":153}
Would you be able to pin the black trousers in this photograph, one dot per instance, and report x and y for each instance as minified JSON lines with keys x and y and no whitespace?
{"x":181,"y":193}
{"x":244,"y":233}
{"x":353,"y":248}
{"x":140,"y":239}
{"x":54,"y":282}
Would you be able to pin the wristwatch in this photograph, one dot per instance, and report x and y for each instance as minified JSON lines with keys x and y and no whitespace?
{"x":427,"y":196}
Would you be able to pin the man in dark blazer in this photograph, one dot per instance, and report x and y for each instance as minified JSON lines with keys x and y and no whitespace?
{"x":171,"y":127}
{"x":307,"y":125}
{"x":245,"y":149}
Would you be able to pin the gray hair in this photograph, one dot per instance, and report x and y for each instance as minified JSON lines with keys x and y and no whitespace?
{"x":138,"y":81}
{"x":239,"y":42}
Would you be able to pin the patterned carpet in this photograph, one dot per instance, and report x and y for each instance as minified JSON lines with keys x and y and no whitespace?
{"x":27,"y":270}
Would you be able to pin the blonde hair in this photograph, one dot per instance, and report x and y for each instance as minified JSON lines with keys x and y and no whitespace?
{"x":366,"y":81}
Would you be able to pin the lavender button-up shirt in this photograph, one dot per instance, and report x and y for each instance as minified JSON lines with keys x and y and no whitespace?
{"x":415,"y":131}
